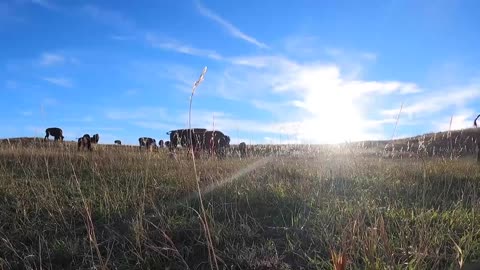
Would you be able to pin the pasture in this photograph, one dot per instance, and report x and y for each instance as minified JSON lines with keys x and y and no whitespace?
{"x":121,"y":208}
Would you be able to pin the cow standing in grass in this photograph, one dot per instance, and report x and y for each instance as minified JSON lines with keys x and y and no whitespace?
{"x":147,"y":142}
{"x":95,"y":138}
{"x":85,"y":142}
{"x":185,"y":136}
{"x":242,"y":147}
{"x":118,"y":142}
{"x":57,"y":133}
{"x":215,"y":142}
{"x":160,"y":144}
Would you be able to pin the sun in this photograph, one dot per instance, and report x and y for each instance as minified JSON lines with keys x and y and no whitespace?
{"x":332,"y":116}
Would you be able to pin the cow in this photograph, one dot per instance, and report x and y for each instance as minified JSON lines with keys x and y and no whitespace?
{"x":118,"y":142}
{"x":147,"y":142}
{"x":215,"y":142}
{"x":167,"y":144}
{"x":95,"y":138}
{"x":57,"y":133}
{"x":242,"y":147}
{"x":160,"y":143}
{"x":85,"y":142}
{"x":184,"y":136}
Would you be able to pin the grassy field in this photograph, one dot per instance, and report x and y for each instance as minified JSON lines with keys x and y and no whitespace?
{"x":120,"y":208}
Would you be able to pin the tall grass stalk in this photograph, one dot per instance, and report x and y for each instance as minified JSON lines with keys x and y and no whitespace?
{"x":211,"y":250}
{"x":396,"y":122}
{"x":89,"y":223}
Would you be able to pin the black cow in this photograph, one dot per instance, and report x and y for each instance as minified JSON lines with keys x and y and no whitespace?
{"x":85,"y":142}
{"x":95,"y":138}
{"x":243,"y":149}
{"x":118,"y":142}
{"x":57,"y":133}
{"x":215,"y":142}
{"x":147,"y":142}
{"x":184,"y":136}
{"x":160,"y":144}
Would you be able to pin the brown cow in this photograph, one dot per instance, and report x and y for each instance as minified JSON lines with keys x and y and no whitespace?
{"x":85,"y":142}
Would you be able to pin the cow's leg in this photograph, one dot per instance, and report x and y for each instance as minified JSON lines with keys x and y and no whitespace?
{"x":478,"y":153}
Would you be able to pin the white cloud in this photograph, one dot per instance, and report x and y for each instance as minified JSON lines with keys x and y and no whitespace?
{"x":438,"y":101}
{"x":262,"y":61}
{"x":60,"y":81}
{"x":49,"y":59}
{"x":176,"y":46}
{"x":461,"y":120}
{"x":316,"y":102}
{"x":275,"y":108}
{"x":232,"y":30}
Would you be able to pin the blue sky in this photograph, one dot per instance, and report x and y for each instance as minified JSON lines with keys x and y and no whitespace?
{"x":278,"y":72}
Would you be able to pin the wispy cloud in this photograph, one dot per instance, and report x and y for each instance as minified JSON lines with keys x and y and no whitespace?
{"x":462,"y":119}
{"x":176,"y":46}
{"x":8,"y":14}
{"x":10,"y":84}
{"x":110,"y":17}
{"x":232,"y":30}
{"x":49,"y":59}
{"x":131,"y":92}
{"x":49,"y":102}
{"x":122,"y":37}
{"x":143,"y":113}
{"x":59,"y":81}
{"x":45,"y":4}
{"x":26,"y":113}
{"x":438,"y":101}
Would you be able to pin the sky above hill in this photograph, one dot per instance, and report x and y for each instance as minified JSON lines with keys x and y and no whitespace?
{"x":278,"y":71}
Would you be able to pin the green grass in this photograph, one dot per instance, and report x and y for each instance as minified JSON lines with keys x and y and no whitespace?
{"x":125,"y":209}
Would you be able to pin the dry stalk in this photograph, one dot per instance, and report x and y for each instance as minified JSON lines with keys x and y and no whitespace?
{"x":211,"y":250}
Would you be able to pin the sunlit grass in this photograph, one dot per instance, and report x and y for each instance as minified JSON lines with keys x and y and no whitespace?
{"x":284,"y":211}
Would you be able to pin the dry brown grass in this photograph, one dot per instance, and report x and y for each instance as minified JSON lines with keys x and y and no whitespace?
{"x":121,"y":208}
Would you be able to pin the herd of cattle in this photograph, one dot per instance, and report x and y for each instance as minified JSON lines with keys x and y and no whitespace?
{"x":216,"y":142}
{"x":200,"y":139}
